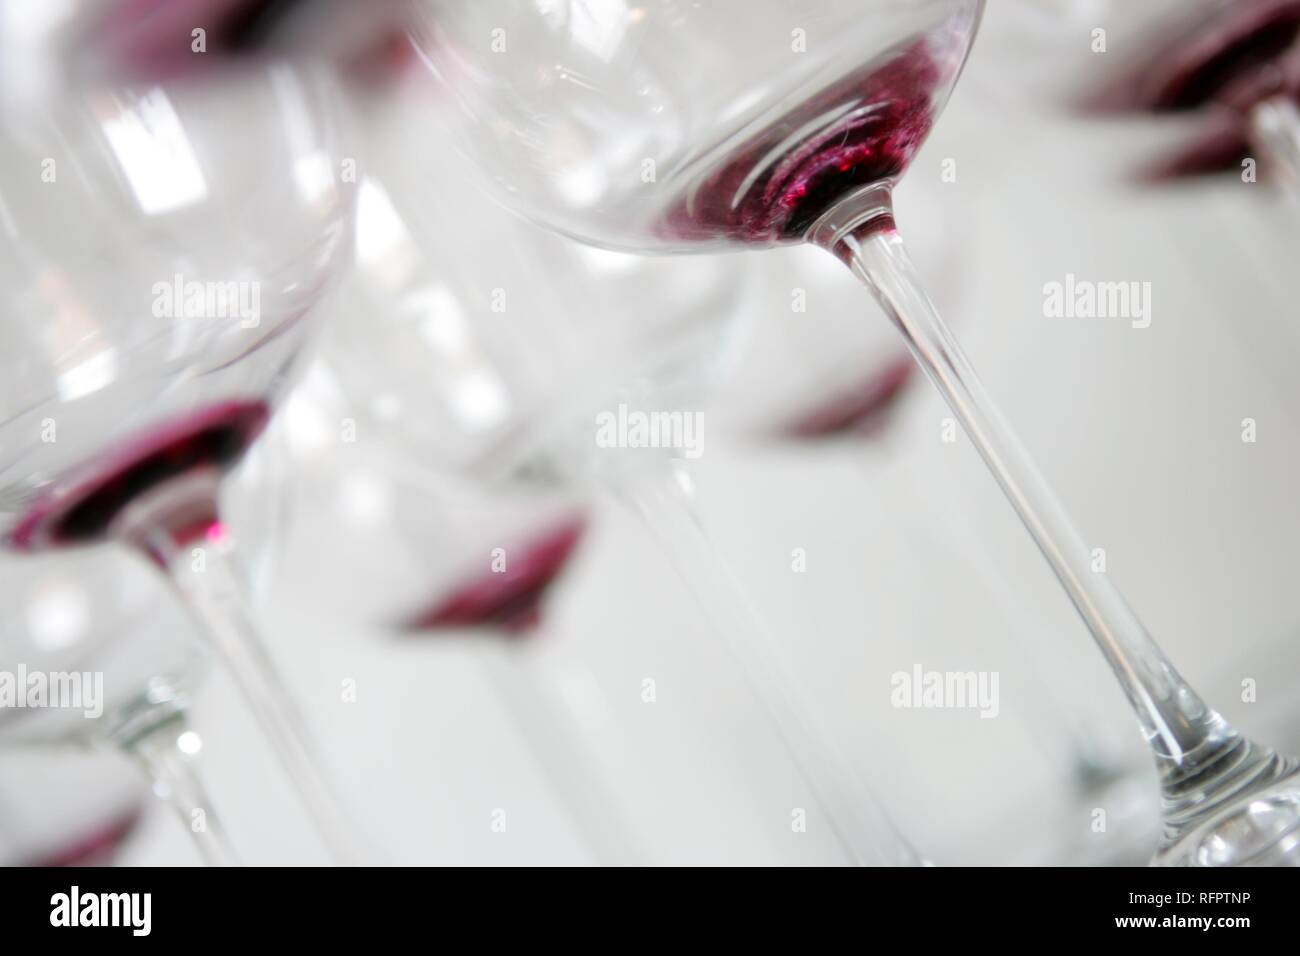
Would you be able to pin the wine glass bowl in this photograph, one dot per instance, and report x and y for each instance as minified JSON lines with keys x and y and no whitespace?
{"x":417,"y":538}
{"x":164,"y":241}
{"x":91,"y":612}
{"x":476,"y":362}
{"x":1230,"y":73}
{"x":67,"y":808}
{"x":629,"y":126}
{"x":161,"y":245}
{"x":99,"y":663}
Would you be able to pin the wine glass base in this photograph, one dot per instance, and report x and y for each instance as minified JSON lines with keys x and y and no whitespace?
{"x":1256,"y":823}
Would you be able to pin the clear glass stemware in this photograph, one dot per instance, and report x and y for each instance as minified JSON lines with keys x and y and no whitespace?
{"x":672,"y":127}
{"x":162,"y":246}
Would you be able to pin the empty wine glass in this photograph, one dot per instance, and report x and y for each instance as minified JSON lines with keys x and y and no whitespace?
{"x":163,"y":245}
{"x":667,"y":126}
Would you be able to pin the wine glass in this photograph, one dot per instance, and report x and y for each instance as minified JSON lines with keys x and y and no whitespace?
{"x":93,"y":617}
{"x":155,"y":39}
{"x":523,"y":351}
{"x":66,"y":809}
{"x":667,"y":127}
{"x":422,"y":551}
{"x":99,"y":616}
{"x":806,"y":378}
{"x":1235,"y":67}
{"x":164,"y":243}
{"x":470,"y":479}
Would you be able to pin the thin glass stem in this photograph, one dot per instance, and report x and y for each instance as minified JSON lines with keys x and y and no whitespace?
{"x":175,"y":527}
{"x":1183,"y":732}
{"x":1226,"y":799}
{"x":559,"y":741}
{"x":664,"y":502}
{"x":161,"y":752}
{"x":1086,"y":758}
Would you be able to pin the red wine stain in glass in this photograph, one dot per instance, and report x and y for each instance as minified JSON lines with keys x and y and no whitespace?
{"x":99,"y":847}
{"x":1219,"y":146}
{"x":863,"y":409}
{"x":153,"y":39}
{"x":1221,"y":63}
{"x":80,"y":508}
{"x":510,"y":599}
{"x":862,"y":129}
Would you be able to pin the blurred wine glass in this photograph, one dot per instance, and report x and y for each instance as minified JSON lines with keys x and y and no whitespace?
{"x":67,"y":809}
{"x":526,"y":351}
{"x":100,"y":620}
{"x":157,"y":282}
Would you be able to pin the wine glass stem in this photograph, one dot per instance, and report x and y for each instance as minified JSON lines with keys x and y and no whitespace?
{"x":1084,"y":755}
{"x":559,"y":740}
{"x":160,"y":752}
{"x":1180,"y":728}
{"x":214,"y":596}
{"x":664,"y":502}
{"x":176,"y":528}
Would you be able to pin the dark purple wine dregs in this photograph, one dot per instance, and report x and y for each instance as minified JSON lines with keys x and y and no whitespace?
{"x":1216,"y":64}
{"x":1211,"y":56}
{"x":80,"y":508}
{"x":511,"y":599}
{"x":771,"y":189}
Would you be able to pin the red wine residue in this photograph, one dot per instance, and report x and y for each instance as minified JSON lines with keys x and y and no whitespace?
{"x":862,"y":409}
{"x":1221,"y":145}
{"x":80,"y":508}
{"x":509,"y":599}
{"x":1221,"y":64}
{"x":1210,"y":54}
{"x":862,"y":129}
{"x":153,"y":39}
{"x":97,"y":848}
